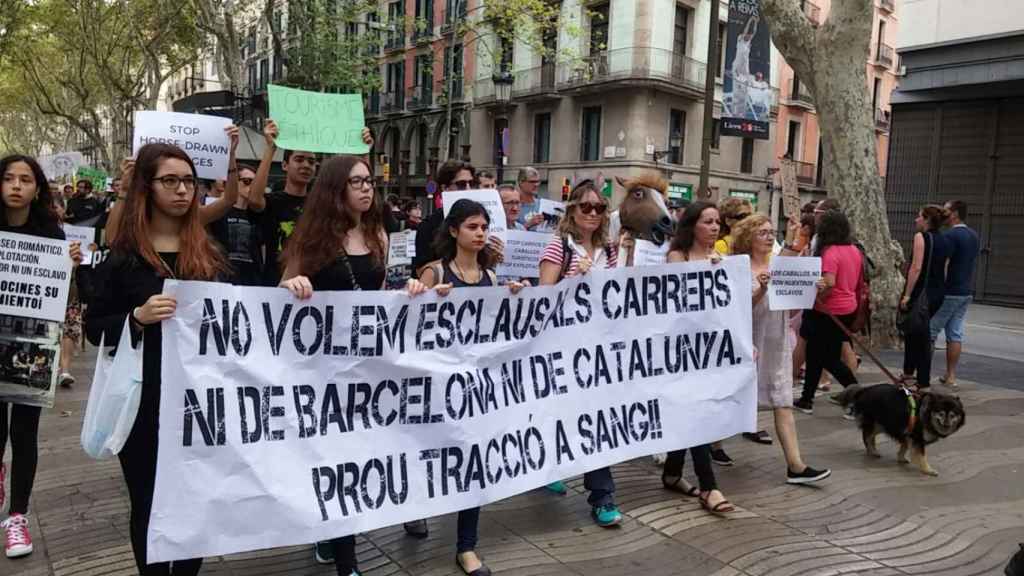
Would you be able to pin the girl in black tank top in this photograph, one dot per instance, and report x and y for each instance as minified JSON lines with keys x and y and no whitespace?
{"x":464,"y":263}
{"x":337,"y":245}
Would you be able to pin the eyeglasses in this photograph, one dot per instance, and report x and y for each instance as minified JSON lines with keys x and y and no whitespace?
{"x":595,"y":207}
{"x":360,"y":181}
{"x":462,"y":184}
{"x":766,"y":233}
{"x":171,"y":182}
{"x":246,"y":181}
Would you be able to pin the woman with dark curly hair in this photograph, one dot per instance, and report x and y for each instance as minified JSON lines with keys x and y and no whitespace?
{"x":841,"y":269}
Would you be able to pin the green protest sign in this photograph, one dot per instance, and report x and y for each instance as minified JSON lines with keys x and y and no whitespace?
{"x":97,"y":176}
{"x":317,"y":122}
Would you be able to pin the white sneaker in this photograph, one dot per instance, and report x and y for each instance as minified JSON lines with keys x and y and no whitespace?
{"x":19,"y":542}
{"x":66,"y":380}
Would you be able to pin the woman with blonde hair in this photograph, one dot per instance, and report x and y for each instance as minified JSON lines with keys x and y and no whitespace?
{"x":581,"y":244}
{"x":755,"y":237}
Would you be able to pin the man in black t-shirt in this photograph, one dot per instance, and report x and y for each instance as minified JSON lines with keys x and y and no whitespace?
{"x":84,"y":209}
{"x":240,"y":231}
{"x":452,"y":175}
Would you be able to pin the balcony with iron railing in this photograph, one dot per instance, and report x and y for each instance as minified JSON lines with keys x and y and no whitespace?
{"x":395,"y":40}
{"x":884,"y":55}
{"x":882,"y":119}
{"x":639,"y":65}
{"x":423,"y":28}
{"x":887,"y":5}
{"x":812,"y":11}
{"x":536,"y":82}
{"x":797,"y":94}
{"x":392,"y":102}
{"x":806,"y":172}
{"x":422,"y":97}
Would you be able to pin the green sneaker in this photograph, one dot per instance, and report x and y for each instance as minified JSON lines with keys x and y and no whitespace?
{"x":607,"y":515}
{"x":558,"y":487}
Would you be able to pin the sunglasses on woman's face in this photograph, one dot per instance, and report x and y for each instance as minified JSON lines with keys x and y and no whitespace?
{"x":595,"y":207}
{"x":246,"y":181}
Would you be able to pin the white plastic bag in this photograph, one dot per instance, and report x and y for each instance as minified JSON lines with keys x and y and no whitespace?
{"x":113,"y":399}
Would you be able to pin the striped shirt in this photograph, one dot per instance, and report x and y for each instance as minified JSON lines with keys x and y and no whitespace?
{"x":553,"y":253}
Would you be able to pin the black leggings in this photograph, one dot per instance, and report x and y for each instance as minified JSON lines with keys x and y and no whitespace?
{"x":917,"y":352}
{"x":345,"y":555}
{"x":701,"y":466}
{"x":138,"y":463}
{"x":824,"y":351}
{"x":22,"y":425}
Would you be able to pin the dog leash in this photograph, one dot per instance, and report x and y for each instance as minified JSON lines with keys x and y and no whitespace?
{"x":866,"y":350}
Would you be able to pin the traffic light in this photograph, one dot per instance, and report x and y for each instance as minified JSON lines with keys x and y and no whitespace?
{"x":565,"y":189}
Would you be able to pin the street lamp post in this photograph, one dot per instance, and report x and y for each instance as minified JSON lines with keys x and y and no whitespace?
{"x":503,"y":98}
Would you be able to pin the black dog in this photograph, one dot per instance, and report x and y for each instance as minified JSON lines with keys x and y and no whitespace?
{"x":913,"y":421}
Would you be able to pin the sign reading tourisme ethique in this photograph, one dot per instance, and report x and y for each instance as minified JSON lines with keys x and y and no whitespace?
{"x":202,"y":137}
{"x":794,"y":282}
{"x":356,"y":410}
{"x":36,"y":274}
{"x":318,"y":121}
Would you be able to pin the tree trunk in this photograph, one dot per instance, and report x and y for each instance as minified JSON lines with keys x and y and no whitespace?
{"x":832,"y":61}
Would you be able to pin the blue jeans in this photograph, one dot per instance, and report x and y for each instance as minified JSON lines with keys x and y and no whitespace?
{"x":950,"y":317}
{"x":601,"y":486}
{"x":468,"y":526}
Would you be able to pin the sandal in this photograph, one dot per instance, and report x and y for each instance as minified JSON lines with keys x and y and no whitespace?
{"x":720,"y":509}
{"x":951,"y":383}
{"x":680,"y":486}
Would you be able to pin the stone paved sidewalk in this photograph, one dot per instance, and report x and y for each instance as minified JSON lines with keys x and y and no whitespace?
{"x":873,"y":517}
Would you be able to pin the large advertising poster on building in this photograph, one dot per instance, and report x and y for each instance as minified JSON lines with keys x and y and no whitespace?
{"x":747,"y":92}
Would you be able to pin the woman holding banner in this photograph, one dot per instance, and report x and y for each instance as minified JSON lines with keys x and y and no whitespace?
{"x":756,"y":236}
{"x":696,"y":234}
{"x":339,"y":243}
{"x":464,"y":263}
{"x":162,"y":236}
{"x":582,"y":243}
{"x":27,"y":208}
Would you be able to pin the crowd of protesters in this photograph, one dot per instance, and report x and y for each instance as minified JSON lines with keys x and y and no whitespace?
{"x":324,"y":228}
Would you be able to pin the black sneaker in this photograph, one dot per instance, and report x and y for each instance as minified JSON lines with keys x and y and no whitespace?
{"x":417,"y":528}
{"x":805,"y":406}
{"x":808,"y":476}
{"x":324,"y":552}
{"x":1016,"y":565}
{"x":849,"y":414}
{"x":721,"y":458}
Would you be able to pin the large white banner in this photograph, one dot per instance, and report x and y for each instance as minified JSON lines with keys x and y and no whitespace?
{"x":352,"y":411}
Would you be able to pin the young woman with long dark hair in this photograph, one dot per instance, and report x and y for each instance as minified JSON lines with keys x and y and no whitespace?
{"x":927,"y":274}
{"x":464,"y":263}
{"x":27,"y":208}
{"x":696,"y":234}
{"x":162,"y":236}
{"x":582,"y":243}
{"x":339,"y":243}
{"x":841,"y":270}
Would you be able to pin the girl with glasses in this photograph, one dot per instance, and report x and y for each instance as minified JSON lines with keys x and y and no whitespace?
{"x":339,"y":243}
{"x":162,"y":236}
{"x":582,"y":243}
{"x":27,"y":208}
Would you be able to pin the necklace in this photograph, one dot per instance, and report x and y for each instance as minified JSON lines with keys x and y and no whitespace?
{"x":461,"y":274}
{"x":167,"y":266}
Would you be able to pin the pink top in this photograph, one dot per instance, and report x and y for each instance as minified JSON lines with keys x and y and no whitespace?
{"x":553,"y":253}
{"x":845,"y":263}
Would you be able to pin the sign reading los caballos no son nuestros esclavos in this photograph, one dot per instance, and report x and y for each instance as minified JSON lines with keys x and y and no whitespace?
{"x":356,"y":410}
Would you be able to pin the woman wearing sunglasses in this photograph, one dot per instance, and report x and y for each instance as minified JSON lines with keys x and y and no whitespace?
{"x":582,"y":243}
{"x":239,"y":231}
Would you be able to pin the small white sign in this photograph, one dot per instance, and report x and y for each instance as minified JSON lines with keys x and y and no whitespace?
{"x":609,"y":151}
{"x":36,"y":276}
{"x":491,"y":201}
{"x":63,"y":165}
{"x":523,"y":250}
{"x":646,"y":253}
{"x":794,"y":282}
{"x":201,"y":137}
{"x":86,"y":235}
{"x":399,"y":244}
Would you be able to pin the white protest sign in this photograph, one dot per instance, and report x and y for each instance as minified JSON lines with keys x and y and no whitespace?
{"x":398,"y":247}
{"x":201,"y":137}
{"x":85,"y":235}
{"x":793,"y":283}
{"x":491,"y":201}
{"x":646,"y":253}
{"x":36,"y":275}
{"x":352,"y":411}
{"x":62,"y":165}
{"x":523,"y":250}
